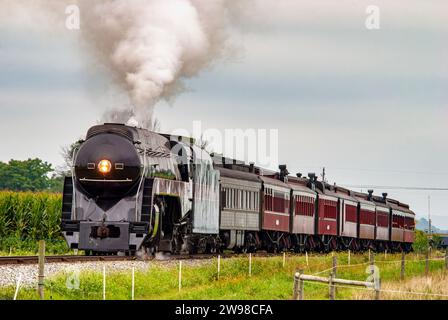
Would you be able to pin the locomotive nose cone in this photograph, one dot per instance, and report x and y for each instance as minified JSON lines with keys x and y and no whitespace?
{"x":108,"y":168}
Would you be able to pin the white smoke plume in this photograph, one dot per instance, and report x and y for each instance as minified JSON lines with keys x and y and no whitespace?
{"x":150,"y":46}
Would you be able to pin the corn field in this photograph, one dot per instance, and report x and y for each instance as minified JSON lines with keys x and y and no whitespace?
{"x":30,"y":216}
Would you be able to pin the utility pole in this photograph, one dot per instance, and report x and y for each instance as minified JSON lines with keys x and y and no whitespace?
{"x":429,"y":218}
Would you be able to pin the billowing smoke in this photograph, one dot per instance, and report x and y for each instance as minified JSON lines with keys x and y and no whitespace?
{"x":150,"y":46}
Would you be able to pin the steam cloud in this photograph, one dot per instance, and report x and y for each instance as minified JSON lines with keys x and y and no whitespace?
{"x":151,"y":45}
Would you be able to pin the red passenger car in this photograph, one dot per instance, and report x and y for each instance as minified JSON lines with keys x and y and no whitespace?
{"x":397,"y":230}
{"x":276,"y":204}
{"x":303,"y":208}
{"x":367,"y":220}
{"x":348,"y":208}
{"x":327,"y":213}
{"x":382,"y":222}
{"x":403,"y":223}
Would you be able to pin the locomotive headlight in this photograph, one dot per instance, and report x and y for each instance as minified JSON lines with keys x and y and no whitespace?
{"x":104,"y":166}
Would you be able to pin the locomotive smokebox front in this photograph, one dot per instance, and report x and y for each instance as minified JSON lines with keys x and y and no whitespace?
{"x":107,"y":168}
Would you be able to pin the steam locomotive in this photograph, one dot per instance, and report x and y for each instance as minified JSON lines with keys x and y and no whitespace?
{"x":136,"y":190}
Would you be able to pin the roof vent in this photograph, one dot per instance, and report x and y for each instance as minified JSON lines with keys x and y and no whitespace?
{"x":283,"y":172}
{"x":252,"y":167}
{"x":312,"y":183}
{"x":299,"y":175}
{"x":384,"y":196}
{"x":370,"y":196}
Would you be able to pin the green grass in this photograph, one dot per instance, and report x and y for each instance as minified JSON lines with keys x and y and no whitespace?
{"x":269,"y":280}
{"x":18,"y":247}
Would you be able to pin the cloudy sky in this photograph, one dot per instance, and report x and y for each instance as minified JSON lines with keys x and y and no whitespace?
{"x":369,"y":105}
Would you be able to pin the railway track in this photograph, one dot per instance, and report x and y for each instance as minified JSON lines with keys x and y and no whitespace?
{"x":11,"y":260}
{"x":27,"y":260}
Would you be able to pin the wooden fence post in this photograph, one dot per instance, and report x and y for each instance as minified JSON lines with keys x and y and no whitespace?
{"x":370,"y":256}
{"x":403,"y":264}
{"x":41,"y":277}
{"x":306,"y":256}
{"x":295,"y":292}
{"x":301,"y":284}
{"x":331,"y":286}
{"x":377,"y":284}
{"x":335,"y":268}
{"x":427,"y":263}
{"x":284,"y":259}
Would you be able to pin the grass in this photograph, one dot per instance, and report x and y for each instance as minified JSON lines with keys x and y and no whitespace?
{"x":269,"y":280}
{"x":431,"y":287}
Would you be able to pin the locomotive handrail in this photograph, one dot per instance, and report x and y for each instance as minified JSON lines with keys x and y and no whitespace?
{"x":105,"y":180}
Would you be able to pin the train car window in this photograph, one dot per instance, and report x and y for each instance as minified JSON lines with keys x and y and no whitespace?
{"x":223,"y":198}
{"x":395,"y":221}
{"x":383,"y":220}
{"x":367,"y":217}
{"x":351,"y":213}
{"x":330,"y":209}
{"x":304,"y":206}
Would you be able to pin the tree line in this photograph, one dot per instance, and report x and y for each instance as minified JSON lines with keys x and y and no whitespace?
{"x":33,"y":175}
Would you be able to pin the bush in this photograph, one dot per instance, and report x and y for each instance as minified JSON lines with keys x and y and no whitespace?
{"x":421,"y":243}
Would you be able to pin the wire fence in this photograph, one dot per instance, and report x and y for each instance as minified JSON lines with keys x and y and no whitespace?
{"x":300,"y":277}
{"x":381,"y":290}
{"x":101,"y":289}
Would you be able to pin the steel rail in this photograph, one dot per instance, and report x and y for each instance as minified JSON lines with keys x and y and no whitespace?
{"x":27,"y":260}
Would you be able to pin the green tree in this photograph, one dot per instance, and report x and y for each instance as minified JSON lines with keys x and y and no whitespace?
{"x":421,"y":243}
{"x":28,"y":175}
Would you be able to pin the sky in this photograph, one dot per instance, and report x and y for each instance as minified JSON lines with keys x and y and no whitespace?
{"x":368,"y":105}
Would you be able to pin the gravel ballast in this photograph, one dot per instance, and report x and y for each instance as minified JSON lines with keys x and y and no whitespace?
{"x":10,"y":273}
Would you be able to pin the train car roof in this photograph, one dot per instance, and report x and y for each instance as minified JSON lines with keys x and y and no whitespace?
{"x":237,"y":174}
{"x":300,"y":187}
{"x":396,"y":205}
{"x":274,"y":182}
{"x":341,"y":194}
{"x":363,"y":198}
